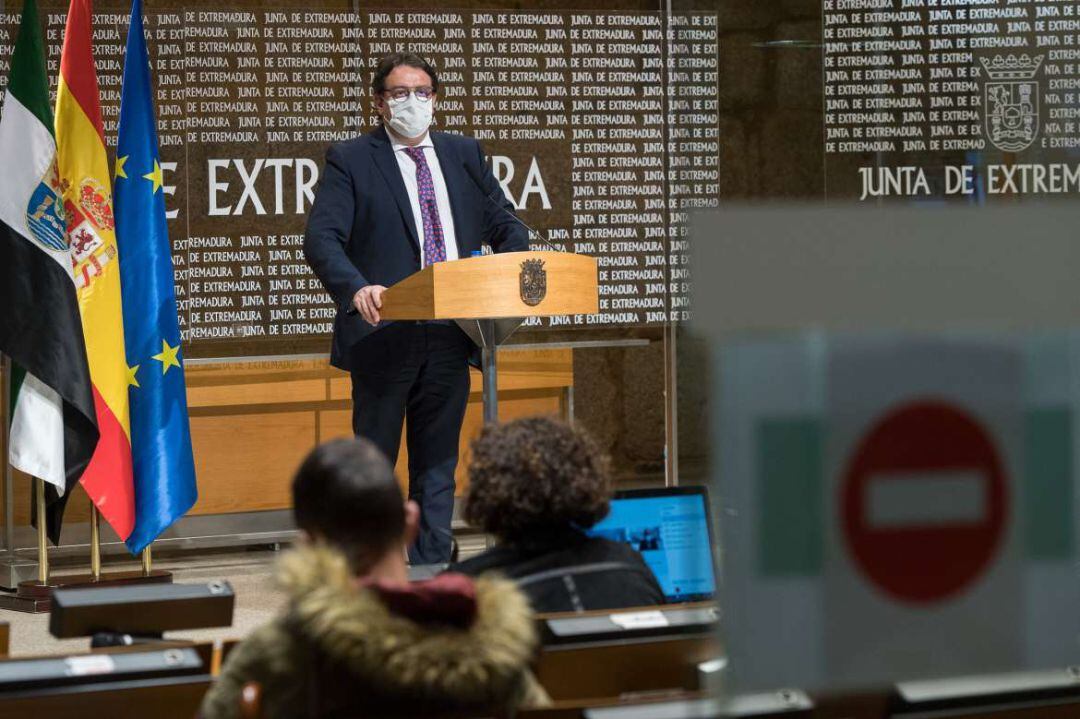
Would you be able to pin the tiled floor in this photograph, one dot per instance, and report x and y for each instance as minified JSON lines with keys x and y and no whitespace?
{"x":251,"y":576}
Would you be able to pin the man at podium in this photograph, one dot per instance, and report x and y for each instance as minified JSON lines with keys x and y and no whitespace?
{"x":390,"y":203}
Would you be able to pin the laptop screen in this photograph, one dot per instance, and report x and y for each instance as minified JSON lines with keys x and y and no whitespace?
{"x":670,"y":528}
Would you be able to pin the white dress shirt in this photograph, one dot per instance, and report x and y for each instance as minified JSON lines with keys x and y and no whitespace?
{"x":442,"y":199}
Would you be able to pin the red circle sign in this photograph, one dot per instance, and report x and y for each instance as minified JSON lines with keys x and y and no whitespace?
{"x":923,"y":502}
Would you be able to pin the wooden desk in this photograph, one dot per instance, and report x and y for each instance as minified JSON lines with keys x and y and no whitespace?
{"x":172,"y":698}
{"x":610,"y":662}
{"x":129,"y":686}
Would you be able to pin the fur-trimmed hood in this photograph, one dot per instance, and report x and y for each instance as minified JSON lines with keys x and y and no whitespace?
{"x":355,"y":630}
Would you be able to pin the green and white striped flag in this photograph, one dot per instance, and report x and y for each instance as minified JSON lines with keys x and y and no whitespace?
{"x":53,"y":426}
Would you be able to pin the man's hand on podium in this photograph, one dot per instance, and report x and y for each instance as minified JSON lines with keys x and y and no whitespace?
{"x":368,"y":302}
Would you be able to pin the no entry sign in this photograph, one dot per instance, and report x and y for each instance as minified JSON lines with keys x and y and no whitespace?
{"x":923,"y":502}
{"x":879,"y":482}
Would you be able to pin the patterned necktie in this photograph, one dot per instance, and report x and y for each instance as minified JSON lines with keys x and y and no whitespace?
{"x":434,"y":244}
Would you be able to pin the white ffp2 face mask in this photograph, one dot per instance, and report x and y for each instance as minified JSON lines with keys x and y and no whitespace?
{"x":410,"y":117}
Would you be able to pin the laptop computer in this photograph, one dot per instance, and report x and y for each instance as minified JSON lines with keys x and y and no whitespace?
{"x":670,"y":527}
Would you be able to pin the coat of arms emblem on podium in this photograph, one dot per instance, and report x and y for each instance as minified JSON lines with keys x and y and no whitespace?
{"x":533,"y":280}
{"x":1012,"y":101}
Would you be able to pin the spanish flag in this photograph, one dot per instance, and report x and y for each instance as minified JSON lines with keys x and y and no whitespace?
{"x":84,"y":182}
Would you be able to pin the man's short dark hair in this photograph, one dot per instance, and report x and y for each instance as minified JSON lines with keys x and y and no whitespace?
{"x":535,"y":475}
{"x":345,"y":494}
{"x":397,"y":59}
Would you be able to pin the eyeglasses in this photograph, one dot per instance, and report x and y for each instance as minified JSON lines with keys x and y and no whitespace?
{"x":423,"y":94}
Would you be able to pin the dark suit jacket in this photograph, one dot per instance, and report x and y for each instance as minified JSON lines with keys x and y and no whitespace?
{"x":361,"y":230}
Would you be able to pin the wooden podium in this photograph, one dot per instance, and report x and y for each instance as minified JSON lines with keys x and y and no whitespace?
{"x":489,"y":296}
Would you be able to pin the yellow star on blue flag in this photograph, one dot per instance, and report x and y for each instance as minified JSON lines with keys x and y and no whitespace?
{"x":167,"y":356}
{"x":164,"y":468}
{"x":154,"y":176}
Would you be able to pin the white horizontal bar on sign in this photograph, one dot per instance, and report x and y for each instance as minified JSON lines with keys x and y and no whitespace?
{"x":897,"y":500}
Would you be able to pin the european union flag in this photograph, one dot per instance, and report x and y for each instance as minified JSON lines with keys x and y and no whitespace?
{"x":160,"y":434}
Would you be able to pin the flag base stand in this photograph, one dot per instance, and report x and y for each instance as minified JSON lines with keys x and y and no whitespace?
{"x":13,"y":571}
{"x":35,"y":596}
{"x":29,"y":605}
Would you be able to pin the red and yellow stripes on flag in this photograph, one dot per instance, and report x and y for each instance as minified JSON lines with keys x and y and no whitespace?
{"x":85,"y":184}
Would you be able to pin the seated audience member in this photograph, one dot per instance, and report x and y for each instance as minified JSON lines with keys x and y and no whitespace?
{"x":536,"y":484}
{"x":359,"y":640}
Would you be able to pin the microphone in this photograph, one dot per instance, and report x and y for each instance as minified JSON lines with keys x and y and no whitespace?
{"x":489,"y":196}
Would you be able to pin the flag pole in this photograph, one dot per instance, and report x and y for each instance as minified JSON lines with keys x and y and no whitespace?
{"x":95,"y":543}
{"x":147,"y":562}
{"x":13,"y":571}
{"x":9,"y":498}
{"x":42,"y":532}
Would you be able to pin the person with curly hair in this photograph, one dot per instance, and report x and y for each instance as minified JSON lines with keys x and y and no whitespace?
{"x":538,"y":484}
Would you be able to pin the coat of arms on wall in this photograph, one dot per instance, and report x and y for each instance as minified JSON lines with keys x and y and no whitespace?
{"x":1011,"y":101}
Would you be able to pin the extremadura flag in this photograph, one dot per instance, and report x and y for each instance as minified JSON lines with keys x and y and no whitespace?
{"x":53,"y":426}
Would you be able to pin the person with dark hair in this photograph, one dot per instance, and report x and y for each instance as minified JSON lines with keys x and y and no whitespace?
{"x":357,"y":639}
{"x":537,"y":484}
{"x":390,"y":203}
